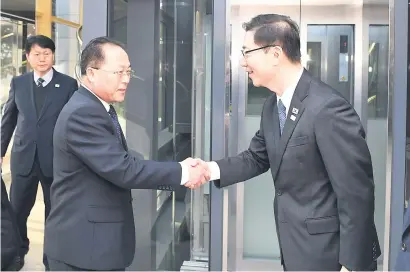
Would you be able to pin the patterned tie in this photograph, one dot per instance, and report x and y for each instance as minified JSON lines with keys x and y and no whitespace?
{"x":282,"y":115}
{"x":40,"y":82}
{"x":114,"y":118}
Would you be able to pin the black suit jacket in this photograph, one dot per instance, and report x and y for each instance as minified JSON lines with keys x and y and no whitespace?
{"x":403,"y":259}
{"x":91,"y":223}
{"x":10,"y":236}
{"x":322,"y":172}
{"x":33,"y":132}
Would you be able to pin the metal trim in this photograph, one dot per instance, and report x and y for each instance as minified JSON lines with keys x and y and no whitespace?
{"x":218,"y":128}
{"x":395,"y":162}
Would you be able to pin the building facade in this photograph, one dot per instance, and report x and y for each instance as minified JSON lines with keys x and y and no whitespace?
{"x":192,"y":98}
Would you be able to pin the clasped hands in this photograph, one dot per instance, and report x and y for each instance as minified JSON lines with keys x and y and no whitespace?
{"x":199,"y":173}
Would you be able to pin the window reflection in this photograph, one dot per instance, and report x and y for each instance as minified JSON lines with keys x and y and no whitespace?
{"x":378,"y":71}
{"x":117,"y":30}
{"x":179,"y":105}
{"x":14,"y":34}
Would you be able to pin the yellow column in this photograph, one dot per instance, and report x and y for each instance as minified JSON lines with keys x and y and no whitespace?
{"x":43,"y":17}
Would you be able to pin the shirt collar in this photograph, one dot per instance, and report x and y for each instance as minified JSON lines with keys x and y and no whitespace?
{"x":105,"y":104}
{"x":288,"y":93}
{"x":47,"y":77}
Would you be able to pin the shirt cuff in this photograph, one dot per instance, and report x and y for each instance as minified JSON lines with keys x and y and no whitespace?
{"x":185,"y":174}
{"x":215,"y":171}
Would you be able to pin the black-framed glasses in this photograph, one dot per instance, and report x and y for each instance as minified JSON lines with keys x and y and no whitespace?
{"x":246,"y":52}
{"x":128,"y":73}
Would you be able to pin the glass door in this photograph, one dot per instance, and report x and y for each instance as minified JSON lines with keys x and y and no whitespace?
{"x":254,"y":243}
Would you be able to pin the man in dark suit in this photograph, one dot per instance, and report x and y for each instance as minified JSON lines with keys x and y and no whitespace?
{"x":312,"y":140}
{"x":91,"y":223}
{"x":34,"y":103}
{"x":10,"y":236}
{"x":403,"y":259}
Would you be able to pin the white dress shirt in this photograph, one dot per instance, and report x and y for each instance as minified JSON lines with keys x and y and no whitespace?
{"x":47,"y":77}
{"x":286,"y":100}
{"x":185,"y":169}
{"x":287,"y":95}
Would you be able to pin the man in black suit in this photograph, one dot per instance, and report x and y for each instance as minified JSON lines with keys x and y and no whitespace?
{"x":91,"y":223}
{"x":312,"y":140}
{"x":34,"y":103}
{"x":10,"y":236}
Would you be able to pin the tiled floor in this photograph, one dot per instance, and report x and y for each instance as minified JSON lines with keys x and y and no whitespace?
{"x":35,"y":228}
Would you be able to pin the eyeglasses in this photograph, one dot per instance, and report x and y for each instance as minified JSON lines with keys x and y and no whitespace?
{"x":128,"y":73}
{"x":245,"y":53}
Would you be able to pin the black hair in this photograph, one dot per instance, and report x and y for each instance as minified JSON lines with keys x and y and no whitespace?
{"x":40,"y":40}
{"x":93,"y":54}
{"x":276,"y":29}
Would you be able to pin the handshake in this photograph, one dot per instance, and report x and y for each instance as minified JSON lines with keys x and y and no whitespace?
{"x":198,"y":172}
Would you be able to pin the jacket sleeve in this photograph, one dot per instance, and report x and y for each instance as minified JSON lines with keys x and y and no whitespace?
{"x":250,"y":163}
{"x":9,"y":120}
{"x":91,"y":138}
{"x":341,"y":140}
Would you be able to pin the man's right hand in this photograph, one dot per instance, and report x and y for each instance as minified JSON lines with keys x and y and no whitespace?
{"x":198,"y":173}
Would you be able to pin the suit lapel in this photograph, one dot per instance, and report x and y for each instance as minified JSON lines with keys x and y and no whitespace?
{"x":47,"y":99}
{"x":30,"y":83}
{"x":294,"y":114}
{"x":95,"y":99}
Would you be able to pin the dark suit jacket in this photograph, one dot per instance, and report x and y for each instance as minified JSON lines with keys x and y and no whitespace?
{"x":91,"y":223}
{"x":322,"y":172}
{"x":33,"y":132}
{"x":10,"y":237}
{"x":403,"y":260}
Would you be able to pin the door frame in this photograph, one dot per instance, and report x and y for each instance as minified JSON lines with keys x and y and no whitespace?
{"x":396,"y":158}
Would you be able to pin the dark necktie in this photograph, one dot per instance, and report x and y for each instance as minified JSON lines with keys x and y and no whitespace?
{"x":282,"y":115}
{"x":40,"y":82}
{"x":114,"y":118}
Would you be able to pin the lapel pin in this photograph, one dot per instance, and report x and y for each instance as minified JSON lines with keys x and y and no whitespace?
{"x":295,"y":111}
{"x":57,"y":85}
{"x":293,"y":117}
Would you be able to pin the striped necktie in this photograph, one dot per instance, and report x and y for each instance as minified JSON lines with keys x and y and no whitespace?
{"x":282,"y":115}
{"x":40,"y":82}
{"x":117,"y":126}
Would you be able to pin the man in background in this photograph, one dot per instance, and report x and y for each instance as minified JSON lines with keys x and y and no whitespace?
{"x":31,"y":111}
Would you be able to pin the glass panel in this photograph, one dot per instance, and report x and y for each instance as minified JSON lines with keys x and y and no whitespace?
{"x":258,"y":241}
{"x":13,"y":63}
{"x":181,"y":129}
{"x":376,"y":105}
{"x":67,"y":9}
{"x":378,"y":71}
{"x":407,"y":189}
{"x":323,"y":45}
{"x":200,"y":211}
{"x":67,"y":50}
{"x":117,"y":29}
